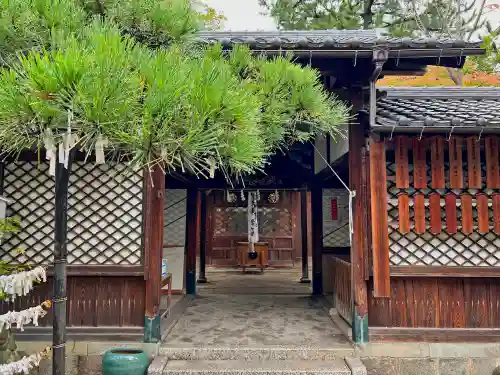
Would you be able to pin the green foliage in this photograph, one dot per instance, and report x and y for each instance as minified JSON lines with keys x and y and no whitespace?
{"x":490,"y":62}
{"x":399,"y":17}
{"x":173,"y":105}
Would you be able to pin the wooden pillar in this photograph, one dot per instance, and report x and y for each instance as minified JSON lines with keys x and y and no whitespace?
{"x":359,"y":245}
{"x":154,"y":203}
{"x":203,"y":227}
{"x":191,"y":242}
{"x":304,"y":232}
{"x":317,"y":239}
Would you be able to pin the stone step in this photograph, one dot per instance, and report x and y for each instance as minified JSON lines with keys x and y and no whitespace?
{"x":257,"y":354}
{"x":238,"y":367}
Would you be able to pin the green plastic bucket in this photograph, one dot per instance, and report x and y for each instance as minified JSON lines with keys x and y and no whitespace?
{"x":125,"y":361}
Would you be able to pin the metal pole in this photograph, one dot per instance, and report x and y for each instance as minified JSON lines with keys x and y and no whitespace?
{"x":60,"y":259}
{"x":203,"y":238}
{"x":303,"y":223}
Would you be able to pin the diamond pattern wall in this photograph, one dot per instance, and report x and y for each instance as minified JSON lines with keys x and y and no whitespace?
{"x":443,"y":249}
{"x":104,"y":214}
{"x":336,"y":232}
{"x":175,"y":218}
{"x":31,"y":192}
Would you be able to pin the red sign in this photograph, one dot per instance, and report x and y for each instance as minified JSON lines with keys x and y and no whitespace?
{"x":334,"y":209}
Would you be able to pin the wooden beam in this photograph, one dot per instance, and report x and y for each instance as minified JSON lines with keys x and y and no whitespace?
{"x":154,"y":202}
{"x":191,"y":240}
{"x":419,"y":212}
{"x":402,"y":174}
{"x":474,"y":162}
{"x":380,"y":226}
{"x":317,"y":239}
{"x":451,"y":212}
{"x":437,"y":162}
{"x":404,"y":213}
{"x":304,"y":238}
{"x":435,"y":213}
{"x":419,"y":163}
{"x":492,"y":163}
{"x":444,"y":271}
{"x":467,"y":218}
{"x":201,"y":231}
{"x":379,"y":334}
{"x":456,"y":164}
{"x":482,"y":213}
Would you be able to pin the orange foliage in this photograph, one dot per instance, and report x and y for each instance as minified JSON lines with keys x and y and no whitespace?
{"x":438,"y":76}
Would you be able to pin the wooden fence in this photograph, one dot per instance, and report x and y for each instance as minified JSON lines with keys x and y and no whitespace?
{"x":342,"y":289}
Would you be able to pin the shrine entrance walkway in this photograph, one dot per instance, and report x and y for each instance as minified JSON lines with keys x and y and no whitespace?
{"x":255,"y":321}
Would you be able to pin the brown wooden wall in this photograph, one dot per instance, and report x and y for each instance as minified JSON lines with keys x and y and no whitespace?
{"x":437,"y":302}
{"x":437,"y":265}
{"x":92,"y":301}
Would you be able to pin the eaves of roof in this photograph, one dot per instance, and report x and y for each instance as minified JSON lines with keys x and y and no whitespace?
{"x":341,"y":42}
{"x":438,"y":109}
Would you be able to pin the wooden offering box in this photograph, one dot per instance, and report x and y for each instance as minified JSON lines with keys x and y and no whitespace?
{"x":262,"y":260}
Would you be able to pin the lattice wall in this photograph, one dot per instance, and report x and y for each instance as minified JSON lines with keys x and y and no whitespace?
{"x":451,"y":217}
{"x":104,"y":214}
{"x":175,"y":218}
{"x":336,"y":232}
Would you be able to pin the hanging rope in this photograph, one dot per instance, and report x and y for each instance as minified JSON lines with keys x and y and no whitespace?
{"x":352,"y":195}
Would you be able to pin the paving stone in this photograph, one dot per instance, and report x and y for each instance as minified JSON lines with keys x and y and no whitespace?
{"x":71,"y":363}
{"x":381,"y":365}
{"x":90,"y":365}
{"x":484,"y":366}
{"x":356,"y":366}
{"x":255,"y":321}
{"x":156,"y":367}
{"x":417,"y":366}
{"x":454,"y":366}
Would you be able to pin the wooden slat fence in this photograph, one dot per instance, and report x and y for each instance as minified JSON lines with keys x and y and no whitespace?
{"x":342,"y":289}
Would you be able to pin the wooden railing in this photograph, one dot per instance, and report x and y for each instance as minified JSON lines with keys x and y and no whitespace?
{"x":342,"y":289}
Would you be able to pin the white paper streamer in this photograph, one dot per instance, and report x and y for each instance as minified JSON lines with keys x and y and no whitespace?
{"x":99,"y":149}
{"x":24,"y":365}
{"x":21,"y":318}
{"x":21,"y":283}
{"x":50,"y":147}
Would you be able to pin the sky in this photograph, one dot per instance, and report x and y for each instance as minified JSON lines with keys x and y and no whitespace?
{"x":245,"y":15}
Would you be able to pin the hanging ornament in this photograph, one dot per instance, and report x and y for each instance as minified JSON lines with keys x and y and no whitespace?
{"x":212,"y":166}
{"x":242,"y":195}
{"x":230,"y":197}
{"x":253,"y":224}
{"x":274,"y":197}
{"x":99,"y":149}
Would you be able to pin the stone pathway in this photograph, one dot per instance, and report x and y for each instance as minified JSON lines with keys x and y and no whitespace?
{"x":255,"y":321}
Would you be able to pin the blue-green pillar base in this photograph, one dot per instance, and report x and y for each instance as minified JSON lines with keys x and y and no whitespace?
{"x":152,"y":331}
{"x":191,"y":282}
{"x":359,"y":328}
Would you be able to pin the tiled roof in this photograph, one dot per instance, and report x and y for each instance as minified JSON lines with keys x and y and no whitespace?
{"x":438,"y":108}
{"x":328,"y":40}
